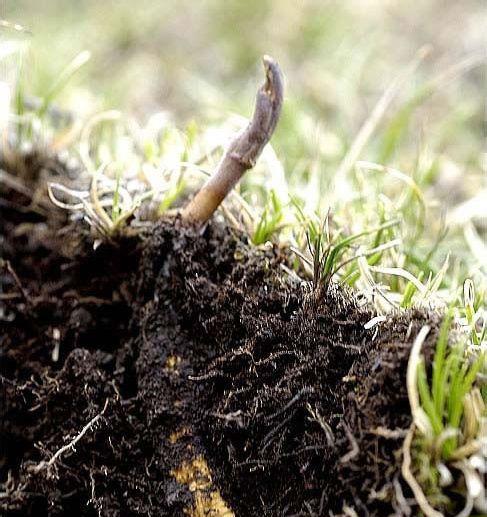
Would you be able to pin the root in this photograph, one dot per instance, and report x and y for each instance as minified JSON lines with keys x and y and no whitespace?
{"x":408,"y":476}
{"x":416,"y":412}
{"x":354,"y":451}
{"x":8,"y":267}
{"x":419,"y":418}
{"x":48,"y":464}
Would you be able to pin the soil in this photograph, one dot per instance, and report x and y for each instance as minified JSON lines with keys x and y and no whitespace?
{"x":179,"y":372}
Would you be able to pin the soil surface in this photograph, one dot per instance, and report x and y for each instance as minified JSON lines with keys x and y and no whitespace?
{"x":176,"y":372}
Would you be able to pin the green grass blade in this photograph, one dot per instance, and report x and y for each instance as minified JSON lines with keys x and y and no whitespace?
{"x":78,"y":62}
{"x":438,"y":380}
{"x":427,"y":401}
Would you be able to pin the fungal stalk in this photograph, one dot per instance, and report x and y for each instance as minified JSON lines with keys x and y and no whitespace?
{"x":244,"y":150}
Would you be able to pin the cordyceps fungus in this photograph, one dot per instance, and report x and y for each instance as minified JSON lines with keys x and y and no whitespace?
{"x":244,"y":150}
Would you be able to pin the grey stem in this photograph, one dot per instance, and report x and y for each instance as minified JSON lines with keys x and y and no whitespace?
{"x":244,"y":150}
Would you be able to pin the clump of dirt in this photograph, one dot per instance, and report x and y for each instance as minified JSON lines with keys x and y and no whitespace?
{"x":177,"y":372}
{"x":302,"y":407}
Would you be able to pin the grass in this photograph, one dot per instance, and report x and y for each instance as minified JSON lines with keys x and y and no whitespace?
{"x":330,"y":252}
{"x":451,"y":425}
{"x":403,"y":229}
{"x":452,"y":378}
{"x":61,"y":81}
{"x":270,"y":222}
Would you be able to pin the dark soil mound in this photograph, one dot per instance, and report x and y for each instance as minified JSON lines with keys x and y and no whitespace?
{"x":126,"y":370}
{"x":302,"y":407}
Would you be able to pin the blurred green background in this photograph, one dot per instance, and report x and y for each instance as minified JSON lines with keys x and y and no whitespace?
{"x":202,"y":57}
